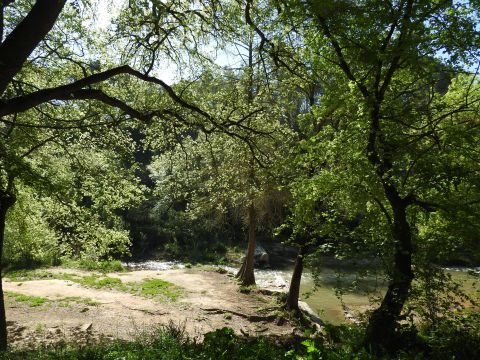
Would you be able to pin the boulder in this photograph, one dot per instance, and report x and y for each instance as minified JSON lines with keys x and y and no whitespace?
{"x":261,"y":256}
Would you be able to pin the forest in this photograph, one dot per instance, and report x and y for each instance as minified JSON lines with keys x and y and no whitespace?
{"x":240,"y":179}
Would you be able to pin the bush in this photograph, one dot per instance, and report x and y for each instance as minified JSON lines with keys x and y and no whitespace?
{"x":455,"y":337}
{"x":29,"y":241}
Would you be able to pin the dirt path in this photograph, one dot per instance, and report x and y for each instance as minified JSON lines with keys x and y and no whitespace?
{"x":209,"y":301}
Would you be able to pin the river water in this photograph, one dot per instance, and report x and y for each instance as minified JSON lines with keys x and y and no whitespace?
{"x":325,"y":300}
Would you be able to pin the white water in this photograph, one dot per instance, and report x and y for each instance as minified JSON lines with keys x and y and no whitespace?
{"x":154,"y":265}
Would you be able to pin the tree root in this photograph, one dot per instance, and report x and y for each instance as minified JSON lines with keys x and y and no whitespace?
{"x":149,"y":312}
{"x":252,"y":318}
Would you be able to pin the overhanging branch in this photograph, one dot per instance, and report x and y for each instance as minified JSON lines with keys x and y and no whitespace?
{"x":93,"y":94}
{"x":76,"y":90}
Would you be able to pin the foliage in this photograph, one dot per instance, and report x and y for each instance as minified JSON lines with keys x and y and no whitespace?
{"x":76,"y":212}
{"x":435,"y":297}
{"x":447,"y":341}
{"x":391,"y":151}
{"x":366,"y":112}
{"x":454,"y":336}
{"x":205,"y":178}
{"x":29,"y":240}
{"x":168,"y":342}
{"x":171,"y":342}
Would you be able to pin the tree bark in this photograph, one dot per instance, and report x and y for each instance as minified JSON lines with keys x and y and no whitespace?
{"x":6,"y":201}
{"x":381,"y":330}
{"x":294,"y":290}
{"x":246,"y":273}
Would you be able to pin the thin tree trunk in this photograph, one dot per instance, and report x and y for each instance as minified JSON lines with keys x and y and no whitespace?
{"x":246,"y":273}
{"x":294,"y":290}
{"x":6,"y":201}
{"x":381,"y":329}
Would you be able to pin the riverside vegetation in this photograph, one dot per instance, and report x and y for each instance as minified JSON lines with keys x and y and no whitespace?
{"x":193,"y":130}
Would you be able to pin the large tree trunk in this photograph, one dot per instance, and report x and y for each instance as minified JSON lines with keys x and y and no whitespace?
{"x":246,"y":273}
{"x":381,"y":329}
{"x":294,"y":290}
{"x":26,"y":36}
{"x":6,"y":201}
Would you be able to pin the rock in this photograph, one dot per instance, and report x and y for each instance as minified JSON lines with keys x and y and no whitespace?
{"x":297,"y":332}
{"x":261,"y":256}
{"x":86,"y":327}
{"x":310,"y":313}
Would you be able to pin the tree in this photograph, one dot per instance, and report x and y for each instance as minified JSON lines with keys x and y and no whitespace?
{"x":225,"y":174}
{"x":42,"y":77}
{"x":386,"y":60}
{"x":391,"y":62}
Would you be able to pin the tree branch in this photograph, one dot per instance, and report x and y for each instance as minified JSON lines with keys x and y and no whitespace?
{"x":396,"y":59}
{"x":341,"y":58}
{"x":93,"y":94}
{"x":384,"y":210}
{"x":272,"y":51}
{"x":38,"y":146}
{"x":71,"y":91}
{"x":25,"y":102}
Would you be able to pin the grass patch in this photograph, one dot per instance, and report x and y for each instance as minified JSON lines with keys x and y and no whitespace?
{"x":89,"y":265}
{"x":28,"y":275}
{"x":32,"y":301}
{"x":156,"y":288}
{"x":67,"y":301}
{"x":151,"y":288}
{"x":246,"y":289}
{"x":210,"y":267}
{"x":100,"y":282}
{"x":94,"y":280}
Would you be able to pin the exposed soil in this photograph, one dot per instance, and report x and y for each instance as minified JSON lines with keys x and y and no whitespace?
{"x":210,"y":301}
